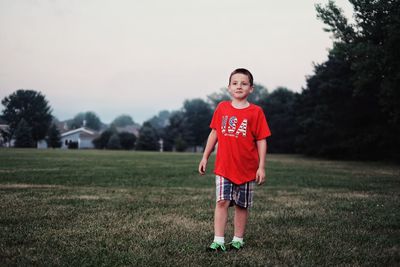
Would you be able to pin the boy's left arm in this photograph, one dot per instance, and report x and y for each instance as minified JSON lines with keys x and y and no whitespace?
{"x":262,"y":151}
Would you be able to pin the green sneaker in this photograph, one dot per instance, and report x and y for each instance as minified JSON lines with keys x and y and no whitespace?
{"x":236,"y":245}
{"x":216,"y":247}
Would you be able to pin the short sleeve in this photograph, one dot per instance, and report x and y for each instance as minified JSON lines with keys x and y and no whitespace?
{"x":214,"y":120}
{"x":262,"y":129}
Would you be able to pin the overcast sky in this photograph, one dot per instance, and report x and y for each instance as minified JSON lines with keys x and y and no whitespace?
{"x":140,"y":57}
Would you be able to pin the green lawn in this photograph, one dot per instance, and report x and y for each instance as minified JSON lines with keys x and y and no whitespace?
{"x":77,"y":208}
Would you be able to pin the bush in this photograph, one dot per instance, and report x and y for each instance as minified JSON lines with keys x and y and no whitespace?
{"x":73,"y":145}
{"x":127,"y":140}
{"x":180,"y":144}
{"x":102,"y":141}
{"x":114,"y":142}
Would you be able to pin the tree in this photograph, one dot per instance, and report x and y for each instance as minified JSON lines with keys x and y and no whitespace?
{"x":176,"y":133}
{"x":23,"y":135}
{"x":114,"y":142}
{"x":325,"y":112}
{"x":215,"y":98}
{"x":180,"y":144}
{"x":102,"y":141}
{"x":161,"y":120}
{"x":197,"y":116}
{"x":127,"y":140}
{"x":279,"y":110}
{"x":31,"y":106}
{"x":77,"y":121}
{"x":54,"y":137}
{"x":122,"y":121}
{"x":160,"y":123}
{"x":259,"y":93}
{"x":148,"y":139}
{"x":350,"y":107}
{"x":90,"y":118}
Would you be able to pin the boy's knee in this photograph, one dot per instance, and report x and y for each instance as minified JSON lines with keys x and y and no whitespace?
{"x":223,"y":203}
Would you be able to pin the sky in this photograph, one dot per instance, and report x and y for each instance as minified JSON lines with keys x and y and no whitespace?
{"x":140,"y":57}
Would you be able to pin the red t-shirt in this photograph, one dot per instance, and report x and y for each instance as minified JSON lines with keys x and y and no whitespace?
{"x":237,"y":132}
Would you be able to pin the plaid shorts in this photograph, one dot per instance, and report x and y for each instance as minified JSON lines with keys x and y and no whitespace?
{"x":240,"y":195}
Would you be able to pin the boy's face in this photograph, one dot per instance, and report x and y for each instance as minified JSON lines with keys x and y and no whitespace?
{"x":240,"y":87}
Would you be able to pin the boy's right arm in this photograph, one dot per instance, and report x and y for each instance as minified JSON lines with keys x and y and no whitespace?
{"x":211,"y":141}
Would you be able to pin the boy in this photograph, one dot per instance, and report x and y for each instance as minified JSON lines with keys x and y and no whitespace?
{"x":241,"y":131}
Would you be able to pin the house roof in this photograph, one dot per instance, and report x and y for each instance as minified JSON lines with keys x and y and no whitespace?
{"x":133,"y":129}
{"x":4,"y":126}
{"x":88,"y":136}
{"x":79,"y":130}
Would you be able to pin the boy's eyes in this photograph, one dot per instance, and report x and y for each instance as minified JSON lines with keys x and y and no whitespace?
{"x":235,"y":83}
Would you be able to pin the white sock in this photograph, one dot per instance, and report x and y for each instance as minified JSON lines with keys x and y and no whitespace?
{"x":219,"y":239}
{"x":235,"y":238}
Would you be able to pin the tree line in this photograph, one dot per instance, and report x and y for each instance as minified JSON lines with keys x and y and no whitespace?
{"x":349,"y":109}
{"x":351,"y":105}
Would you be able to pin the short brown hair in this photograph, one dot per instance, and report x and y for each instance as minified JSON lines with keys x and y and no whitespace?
{"x":242,"y":71}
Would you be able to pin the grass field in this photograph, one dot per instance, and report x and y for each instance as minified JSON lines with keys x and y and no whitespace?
{"x":92,"y":208}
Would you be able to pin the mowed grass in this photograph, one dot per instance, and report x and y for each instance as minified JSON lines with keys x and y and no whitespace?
{"x":113,"y":208}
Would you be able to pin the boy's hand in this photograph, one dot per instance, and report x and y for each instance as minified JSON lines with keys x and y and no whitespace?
{"x":260,"y":176}
{"x":203,"y":166}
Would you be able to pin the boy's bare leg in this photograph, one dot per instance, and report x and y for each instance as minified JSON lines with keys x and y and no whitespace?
{"x":240,"y":221}
{"x":221,"y":217}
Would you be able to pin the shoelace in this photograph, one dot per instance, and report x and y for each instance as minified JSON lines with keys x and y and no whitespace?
{"x":236,"y":244}
{"x":215,"y":245}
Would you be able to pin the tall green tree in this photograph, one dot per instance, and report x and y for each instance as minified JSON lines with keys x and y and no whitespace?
{"x":31,"y":106}
{"x":160,"y":123}
{"x":53,"y":137}
{"x":197,"y":116}
{"x":90,"y":118}
{"x":279,"y":110}
{"x":217,"y":97}
{"x":127,"y":140}
{"x":114,"y":142}
{"x":148,"y":138}
{"x":23,"y":135}
{"x":102,"y":140}
{"x":161,"y":120}
{"x":325,"y":112}
{"x":175,"y":133}
{"x":122,"y":121}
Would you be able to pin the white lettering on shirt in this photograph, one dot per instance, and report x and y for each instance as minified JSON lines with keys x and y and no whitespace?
{"x":228,"y":127}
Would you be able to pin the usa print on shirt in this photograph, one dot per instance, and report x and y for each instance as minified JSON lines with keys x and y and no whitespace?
{"x":228,"y":127}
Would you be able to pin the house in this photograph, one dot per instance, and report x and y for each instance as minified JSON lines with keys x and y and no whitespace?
{"x":78,"y":138}
{"x":3,"y":140}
